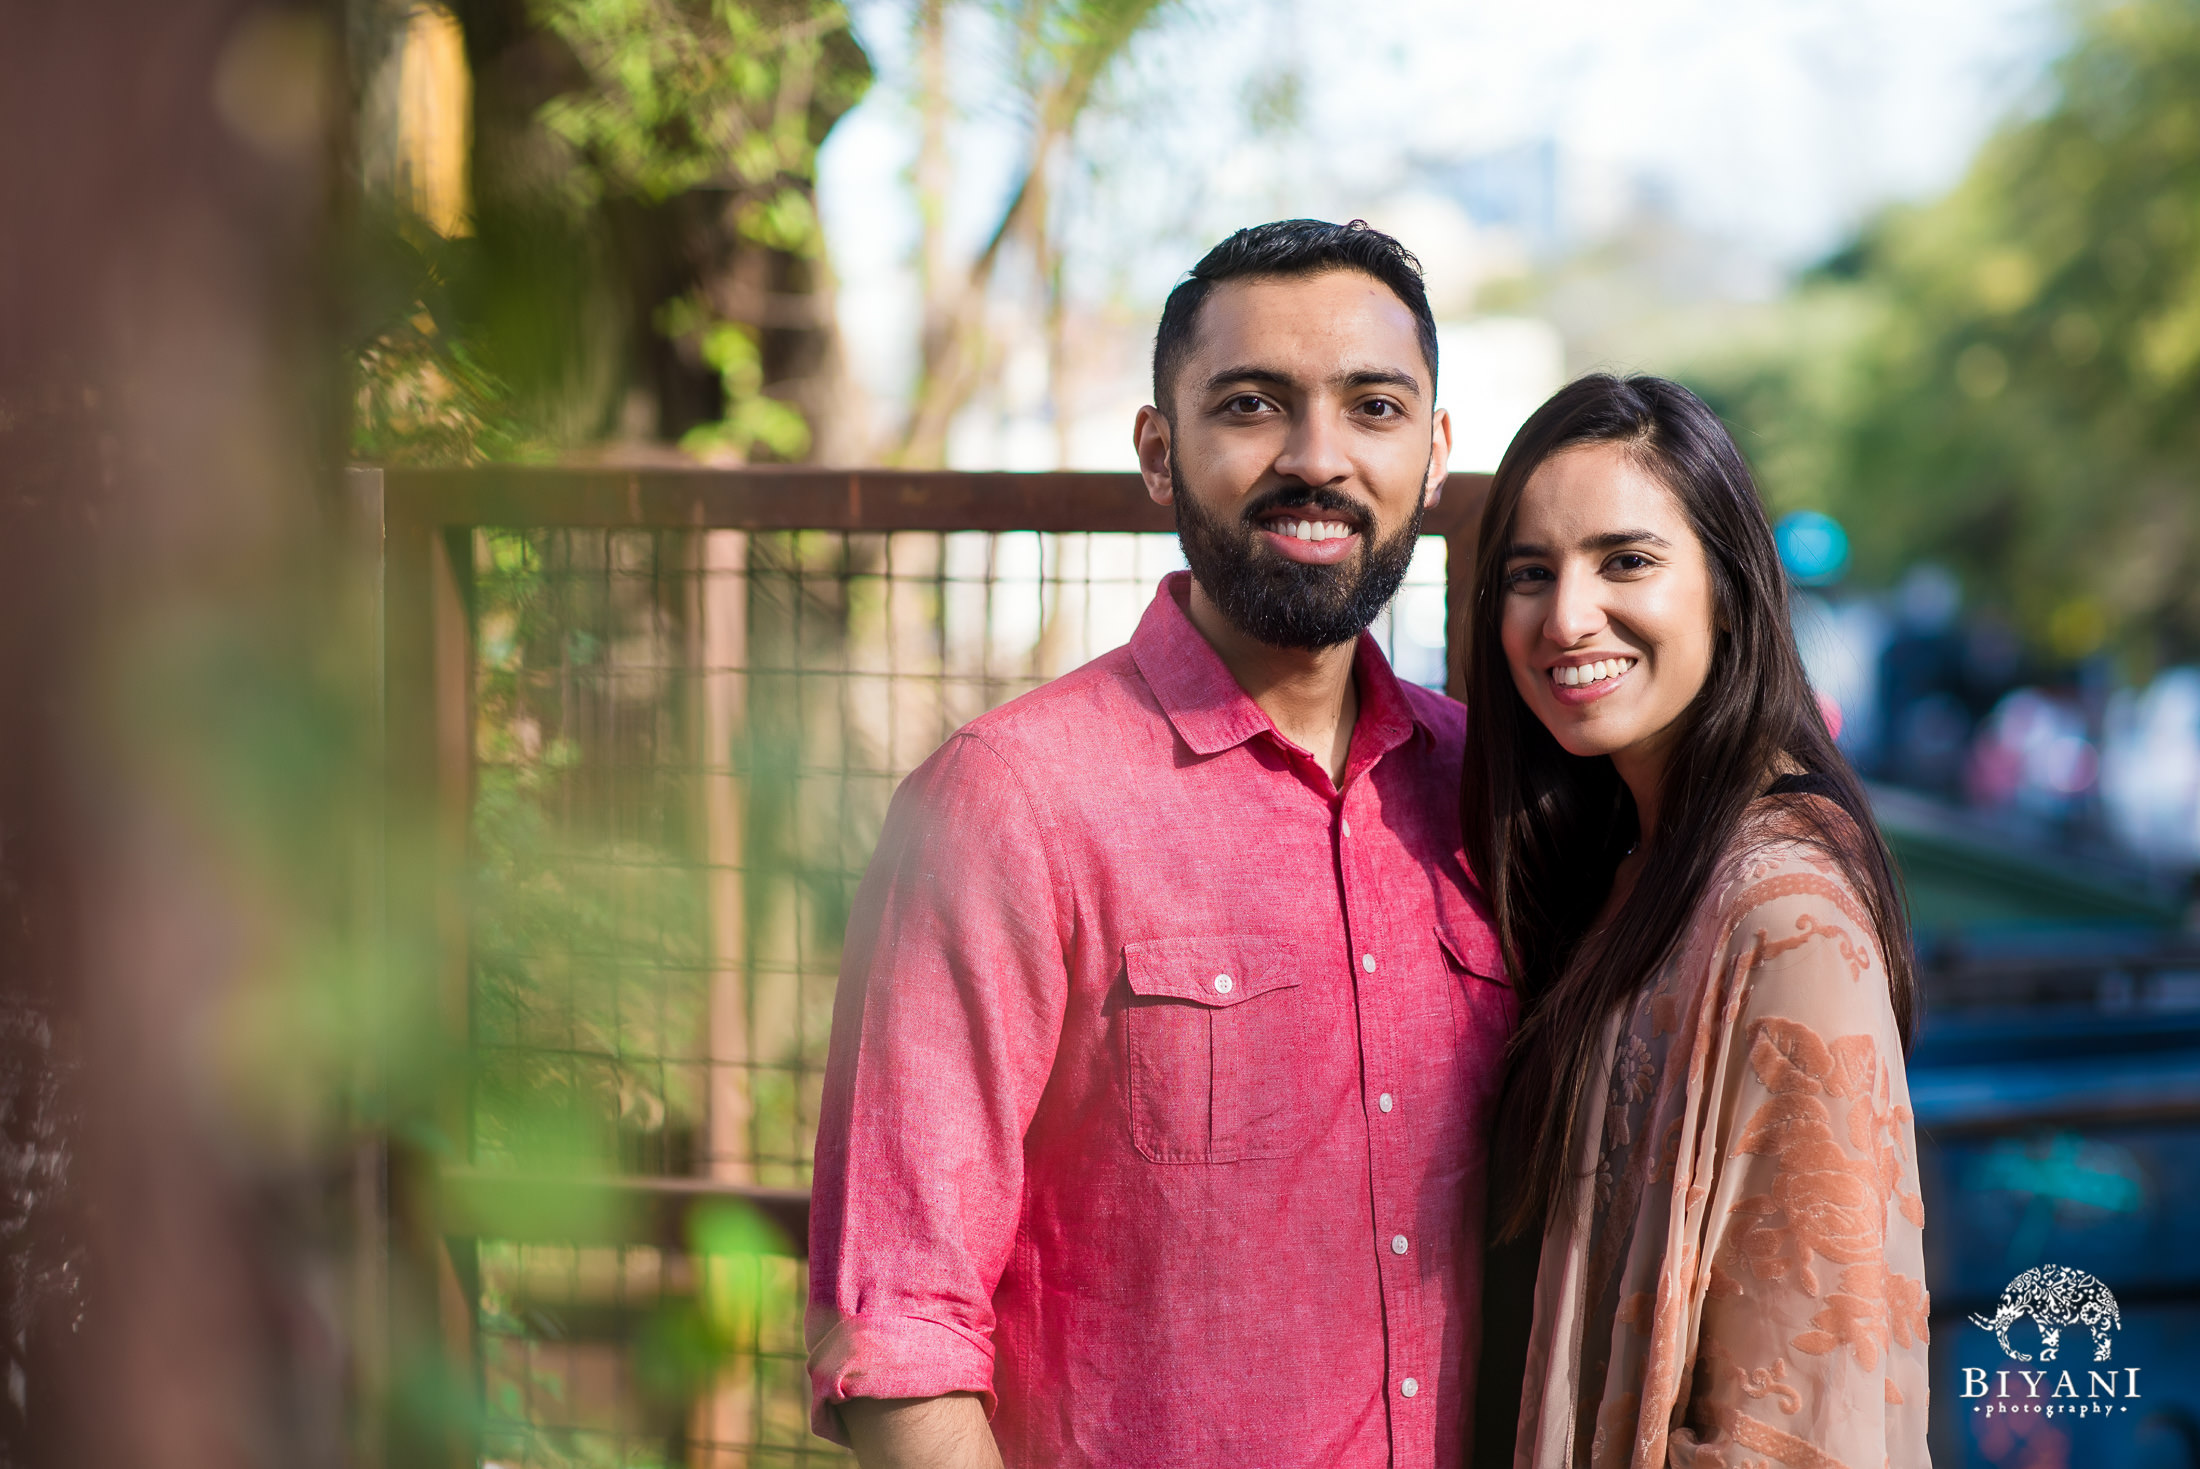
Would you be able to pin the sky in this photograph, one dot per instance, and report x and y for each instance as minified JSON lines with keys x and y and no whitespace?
{"x":1771,"y":128}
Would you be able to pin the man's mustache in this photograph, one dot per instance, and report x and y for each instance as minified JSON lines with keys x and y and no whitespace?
{"x":1298,"y":497}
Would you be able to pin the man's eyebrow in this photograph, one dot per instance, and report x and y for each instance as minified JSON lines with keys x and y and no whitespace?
{"x":1365,"y":377}
{"x":1381,"y":377}
{"x":1250,"y":374}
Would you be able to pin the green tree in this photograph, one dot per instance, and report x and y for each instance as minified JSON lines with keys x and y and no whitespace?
{"x":1063,"y":52}
{"x":643,"y":257}
{"x":2007,"y":379}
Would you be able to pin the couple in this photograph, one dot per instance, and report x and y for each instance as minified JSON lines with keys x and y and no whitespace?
{"x":1212,"y":1015}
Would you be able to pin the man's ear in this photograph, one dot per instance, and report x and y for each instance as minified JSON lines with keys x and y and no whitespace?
{"x":1439,"y":459}
{"x":1150,"y":434}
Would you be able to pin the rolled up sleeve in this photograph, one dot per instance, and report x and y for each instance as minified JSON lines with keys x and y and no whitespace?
{"x":945,"y":1025}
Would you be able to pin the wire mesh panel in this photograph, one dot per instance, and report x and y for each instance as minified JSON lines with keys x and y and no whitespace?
{"x":684,"y":744}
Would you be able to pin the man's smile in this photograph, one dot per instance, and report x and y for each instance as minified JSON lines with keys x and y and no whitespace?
{"x":1313,"y":535}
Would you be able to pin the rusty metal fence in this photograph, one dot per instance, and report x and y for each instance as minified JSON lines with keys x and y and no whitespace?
{"x":653,"y":719}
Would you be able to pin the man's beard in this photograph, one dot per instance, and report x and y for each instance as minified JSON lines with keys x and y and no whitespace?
{"x":1285,"y":603}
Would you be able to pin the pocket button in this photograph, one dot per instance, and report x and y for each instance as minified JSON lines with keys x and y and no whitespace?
{"x":1224,"y":984}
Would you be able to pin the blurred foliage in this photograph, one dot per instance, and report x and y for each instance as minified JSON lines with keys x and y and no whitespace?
{"x":642,"y":181}
{"x":687,"y":96}
{"x":2008,"y":379}
{"x":588,"y":925}
{"x":751,"y":418}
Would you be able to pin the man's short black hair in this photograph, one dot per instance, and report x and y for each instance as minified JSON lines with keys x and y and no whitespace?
{"x":1288,"y":247}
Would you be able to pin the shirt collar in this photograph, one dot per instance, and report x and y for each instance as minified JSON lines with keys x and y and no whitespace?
{"x":1210,"y":713}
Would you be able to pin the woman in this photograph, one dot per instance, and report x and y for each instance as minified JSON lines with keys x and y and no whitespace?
{"x":1705,"y":1116}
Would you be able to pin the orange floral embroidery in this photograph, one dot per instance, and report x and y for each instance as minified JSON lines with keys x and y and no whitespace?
{"x":1909,"y":1310}
{"x":1854,"y":1316}
{"x":1833,"y":1205}
{"x":1669,"y":1151}
{"x":1771,"y":1382}
{"x":1856,"y":958}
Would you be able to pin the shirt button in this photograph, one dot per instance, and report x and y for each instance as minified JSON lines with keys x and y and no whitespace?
{"x":1398,"y":1245}
{"x":1347,"y":826}
{"x":1409,"y":1387}
{"x":1367,"y":962}
{"x":1224,"y":984}
{"x":1384,"y":1101}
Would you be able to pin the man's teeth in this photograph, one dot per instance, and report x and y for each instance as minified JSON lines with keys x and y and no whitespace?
{"x":1585,"y":673}
{"x":1310,"y":530}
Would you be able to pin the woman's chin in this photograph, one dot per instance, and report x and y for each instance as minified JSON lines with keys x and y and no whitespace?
{"x":1587,"y":738}
{"x":1590,"y":749}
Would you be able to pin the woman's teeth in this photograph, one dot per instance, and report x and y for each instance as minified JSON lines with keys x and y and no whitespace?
{"x":1310,"y":530}
{"x":1587,"y":673}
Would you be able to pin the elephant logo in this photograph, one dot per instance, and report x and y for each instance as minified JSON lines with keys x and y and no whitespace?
{"x":2054,"y":1296}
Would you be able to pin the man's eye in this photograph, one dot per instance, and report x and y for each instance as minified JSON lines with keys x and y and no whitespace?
{"x":1382,"y":408}
{"x":1245,"y":403}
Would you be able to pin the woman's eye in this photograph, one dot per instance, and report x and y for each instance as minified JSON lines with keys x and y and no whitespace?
{"x":1521,"y":578}
{"x":1630,"y":561}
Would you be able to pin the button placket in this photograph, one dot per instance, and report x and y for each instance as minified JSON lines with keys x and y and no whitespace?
{"x":1377,"y":1004}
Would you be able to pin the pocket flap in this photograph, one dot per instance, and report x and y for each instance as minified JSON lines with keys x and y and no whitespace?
{"x":1473,"y":947}
{"x":1226,"y":970}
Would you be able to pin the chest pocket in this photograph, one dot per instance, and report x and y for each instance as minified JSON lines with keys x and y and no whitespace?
{"x":1215,"y":1041}
{"x":1481,"y":995}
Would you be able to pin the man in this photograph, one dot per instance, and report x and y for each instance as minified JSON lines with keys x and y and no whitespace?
{"x":1169,"y":1018}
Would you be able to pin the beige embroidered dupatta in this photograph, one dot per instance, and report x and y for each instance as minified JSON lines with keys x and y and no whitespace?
{"x":1741,"y":1282}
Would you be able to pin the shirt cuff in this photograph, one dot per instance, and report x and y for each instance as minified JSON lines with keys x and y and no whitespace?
{"x":864,"y":1356}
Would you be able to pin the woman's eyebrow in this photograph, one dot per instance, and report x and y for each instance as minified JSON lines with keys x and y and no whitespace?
{"x":1612,"y":540}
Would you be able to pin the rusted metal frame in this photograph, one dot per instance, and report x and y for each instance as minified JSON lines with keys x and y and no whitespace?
{"x":817,"y":499}
{"x":868,"y":500}
{"x":427,"y":701}
{"x":430,"y":513}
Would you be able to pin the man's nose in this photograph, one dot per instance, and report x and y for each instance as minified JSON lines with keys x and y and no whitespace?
{"x":1314,"y":453}
{"x":1575,"y":612}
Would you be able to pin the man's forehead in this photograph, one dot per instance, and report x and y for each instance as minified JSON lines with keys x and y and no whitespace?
{"x":1336,"y":322}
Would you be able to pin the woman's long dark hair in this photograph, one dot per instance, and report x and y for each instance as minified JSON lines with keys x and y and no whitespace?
{"x":1545,"y":830}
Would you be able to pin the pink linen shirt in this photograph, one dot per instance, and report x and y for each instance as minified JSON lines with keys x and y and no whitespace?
{"x":1160,"y":1080}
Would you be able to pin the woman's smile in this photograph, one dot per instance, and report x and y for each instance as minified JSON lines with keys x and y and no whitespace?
{"x":1580,"y":681}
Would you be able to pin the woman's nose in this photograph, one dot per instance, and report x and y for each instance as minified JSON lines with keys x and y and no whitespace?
{"x":1574,"y":613}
